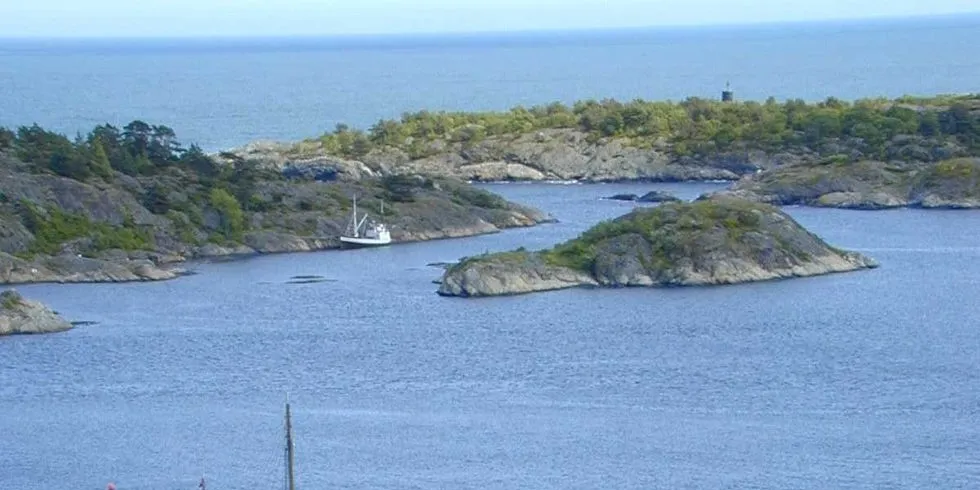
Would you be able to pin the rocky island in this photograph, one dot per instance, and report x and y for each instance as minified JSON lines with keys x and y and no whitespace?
{"x":649,"y":197}
{"x":949,"y":184}
{"x":131,"y":204}
{"x":708,"y":242}
{"x":609,"y":140}
{"x":23,"y":316}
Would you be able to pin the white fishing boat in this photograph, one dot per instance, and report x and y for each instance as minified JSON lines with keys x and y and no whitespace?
{"x":364,"y":232}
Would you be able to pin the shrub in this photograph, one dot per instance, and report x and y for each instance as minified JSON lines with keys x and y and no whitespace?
{"x":232,"y":217}
{"x":53,"y":228}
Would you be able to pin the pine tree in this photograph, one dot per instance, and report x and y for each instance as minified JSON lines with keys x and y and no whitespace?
{"x":100,"y":161}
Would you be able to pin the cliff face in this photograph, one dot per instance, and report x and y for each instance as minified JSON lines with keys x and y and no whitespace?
{"x":565,"y":154}
{"x":549,"y":154}
{"x":953,"y":184}
{"x":22,"y":316}
{"x":710,"y":242}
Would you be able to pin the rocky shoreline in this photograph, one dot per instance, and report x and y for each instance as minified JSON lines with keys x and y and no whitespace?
{"x":709,"y":242}
{"x":99,"y":224}
{"x":19,"y":316}
{"x":140,"y":266}
{"x":866,"y":185}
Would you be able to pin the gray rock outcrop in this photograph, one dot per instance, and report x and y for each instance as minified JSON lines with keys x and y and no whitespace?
{"x":549,"y":154}
{"x":518,"y":273}
{"x":75,"y":269}
{"x":23,"y":316}
{"x":870,"y":185}
{"x":658,"y":196}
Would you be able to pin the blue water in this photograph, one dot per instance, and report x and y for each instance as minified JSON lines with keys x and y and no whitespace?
{"x":864,"y":380}
{"x":222,"y":94}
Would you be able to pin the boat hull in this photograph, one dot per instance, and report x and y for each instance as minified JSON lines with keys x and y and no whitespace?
{"x":363,"y":242}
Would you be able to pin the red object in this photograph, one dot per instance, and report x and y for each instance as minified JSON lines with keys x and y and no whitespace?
{"x":110,"y":486}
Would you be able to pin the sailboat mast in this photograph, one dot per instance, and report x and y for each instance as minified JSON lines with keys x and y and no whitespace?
{"x":357,"y":226}
{"x":289,"y":448}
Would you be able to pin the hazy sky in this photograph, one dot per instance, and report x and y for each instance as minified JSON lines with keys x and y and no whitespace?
{"x":108,"y":18}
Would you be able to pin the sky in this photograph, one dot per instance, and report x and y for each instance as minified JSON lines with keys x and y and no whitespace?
{"x":235,"y":18}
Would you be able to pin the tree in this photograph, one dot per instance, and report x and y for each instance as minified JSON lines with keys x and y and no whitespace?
{"x":7,"y":138}
{"x":195,"y":159}
{"x":108,"y":135}
{"x":36,"y":145}
{"x":156,"y":199}
{"x":163,"y":147}
{"x":111,"y":140}
{"x":929,"y":124}
{"x":360,"y":146}
{"x":52,"y":151}
{"x":99,"y":162}
{"x":136,"y":136}
{"x":232,"y":217}
{"x":69,"y":163}
{"x":386,"y":132}
{"x":400,"y":188}
{"x":635,"y":117}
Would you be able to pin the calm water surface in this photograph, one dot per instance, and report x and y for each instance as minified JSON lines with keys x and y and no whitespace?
{"x":861,"y":380}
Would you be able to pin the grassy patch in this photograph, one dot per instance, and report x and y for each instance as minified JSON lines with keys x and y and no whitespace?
{"x":670,"y":229}
{"x":55,"y":227}
{"x":9,"y":300}
{"x":962,"y":168}
{"x":471,"y":196}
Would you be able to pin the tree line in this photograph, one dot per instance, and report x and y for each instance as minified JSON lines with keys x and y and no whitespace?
{"x":693,"y":125}
{"x":137,"y":148}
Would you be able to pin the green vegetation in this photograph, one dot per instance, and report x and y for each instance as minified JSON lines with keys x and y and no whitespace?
{"x":54,"y":227}
{"x":232,"y":218}
{"x":963,"y":168}
{"x":472,"y":196}
{"x":669,"y":228}
{"x":152,"y":155}
{"x":138,"y":188}
{"x":519,"y":256}
{"x":957,"y":179}
{"x":137,"y":148}
{"x":693,"y":126}
{"x":402,"y":188}
{"x":10,"y":299}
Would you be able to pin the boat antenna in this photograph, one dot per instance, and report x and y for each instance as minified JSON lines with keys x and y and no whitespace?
{"x":289,"y":446}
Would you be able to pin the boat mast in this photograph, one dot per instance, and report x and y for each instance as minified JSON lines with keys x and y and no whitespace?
{"x":357,"y":226}
{"x":289,"y":447}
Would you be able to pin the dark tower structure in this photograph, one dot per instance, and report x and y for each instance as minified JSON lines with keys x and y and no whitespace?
{"x":727,"y":95}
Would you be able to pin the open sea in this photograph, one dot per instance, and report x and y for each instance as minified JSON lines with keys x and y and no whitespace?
{"x":866,"y":380}
{"x":226,"y":93}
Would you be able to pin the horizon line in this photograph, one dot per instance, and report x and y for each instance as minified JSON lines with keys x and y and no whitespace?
{"x":841,"y":21}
